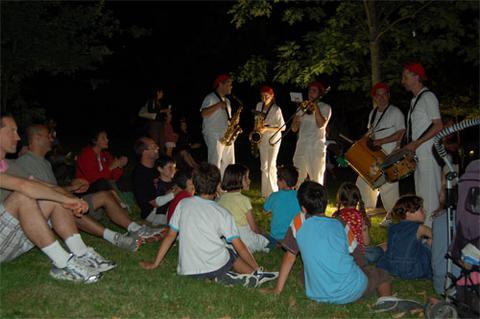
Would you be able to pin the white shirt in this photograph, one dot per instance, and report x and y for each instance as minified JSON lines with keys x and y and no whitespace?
{"x":426,"y":110}
{"x":201,"y":223}
{"x":274,"y":118}
{"x":309,"y":132}
{"x":217,"y":122}
{"x":391,"y":122}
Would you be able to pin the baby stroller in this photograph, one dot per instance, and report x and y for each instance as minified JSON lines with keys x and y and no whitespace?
{"x":462,"y":297}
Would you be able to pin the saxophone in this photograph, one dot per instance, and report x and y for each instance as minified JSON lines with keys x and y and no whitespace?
{"x":256,"y":135}
{"x":233,"y":128}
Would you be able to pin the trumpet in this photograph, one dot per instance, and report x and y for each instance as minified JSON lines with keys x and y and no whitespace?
{"x":307,"y":107}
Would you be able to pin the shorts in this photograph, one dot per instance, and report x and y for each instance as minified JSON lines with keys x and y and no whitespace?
{"x":376,"y":276}
{"x":96,"y":214}
{"x":13,"y":241}
{"x":221,"y":271}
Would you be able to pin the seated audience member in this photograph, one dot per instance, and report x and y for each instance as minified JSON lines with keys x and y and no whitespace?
{"x":97,"y":166}
{"x":25,"y":215}
{"x":184,"y":184}
{"x":148,"y":183}
{"x":408,"y":254}
{"x":331,"y":273}
{"x":236,"y":179}
{"x":283,"y":204}
{"x":204,"y":228}
{"x":183,"y":149}
{"x":34,"y":163}
{"x":351,"y":210}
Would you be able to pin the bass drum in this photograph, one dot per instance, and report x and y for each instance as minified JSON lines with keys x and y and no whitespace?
{"x":366,"y":162}
{"x":399,"y":165}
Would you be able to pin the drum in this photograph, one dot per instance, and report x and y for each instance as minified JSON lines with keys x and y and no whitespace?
{"x":366,"y":162}
{"x":399,"y":165}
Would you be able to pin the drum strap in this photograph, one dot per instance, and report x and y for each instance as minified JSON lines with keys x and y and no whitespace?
{"x":226,"y":109}
{"x":373,"y":118}
{"x":409,"y":122}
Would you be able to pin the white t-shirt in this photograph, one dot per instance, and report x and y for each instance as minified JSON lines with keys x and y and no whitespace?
{"x":391,"y":122}
{"x":217,"y":122}
{"x":274,"y":118}
{"x":309,"y":133}
{"x":426,"y":110}
{"x":201,"y":223}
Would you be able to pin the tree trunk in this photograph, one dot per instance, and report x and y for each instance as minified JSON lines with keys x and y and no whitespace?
{"x":374,"y":40}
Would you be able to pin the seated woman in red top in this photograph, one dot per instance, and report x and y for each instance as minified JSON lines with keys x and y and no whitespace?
{"x":96,"y":165}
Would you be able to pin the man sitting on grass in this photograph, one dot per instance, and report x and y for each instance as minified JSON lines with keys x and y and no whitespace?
{"x":27,"y":214}
{"x":331,"y":273}
{"x":34,"y":163}
{"x":204,"y":228}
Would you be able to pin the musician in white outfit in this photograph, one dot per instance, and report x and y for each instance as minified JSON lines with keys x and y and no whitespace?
{"x":423,"y":123}
{"x":386,"y":126}
{"x":268,"y":153}
{"x":216,"y":111}
{"x":310,"y":152}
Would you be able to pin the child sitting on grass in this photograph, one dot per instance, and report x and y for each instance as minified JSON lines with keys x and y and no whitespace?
{"x":408,"y":254}
{"x":283,"y":203}
{"x":184,"y":188}
{"x":235,"y":179}
{"x":348,"y":200}
{"x":203,"y":227}
{"x":331,"y":274}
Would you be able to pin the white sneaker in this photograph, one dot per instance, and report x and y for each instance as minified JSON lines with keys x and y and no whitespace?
{"x":94,"y":260}
{"x":145,"y":233}
{"x":127,"y":242}
{"x":75,"y":271}
{"x":264,"y":276}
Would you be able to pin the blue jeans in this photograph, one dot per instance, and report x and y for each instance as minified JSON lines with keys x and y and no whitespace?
{"x":372,"y":254}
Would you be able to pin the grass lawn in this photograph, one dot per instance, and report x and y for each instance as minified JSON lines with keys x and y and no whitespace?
{"x":27,"y":290}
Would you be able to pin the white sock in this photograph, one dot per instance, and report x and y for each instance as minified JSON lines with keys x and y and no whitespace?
{"x":133,"y":227}
{"x":57,"y":254}
{"x":76,"y":245}
{"x":109,"y":235}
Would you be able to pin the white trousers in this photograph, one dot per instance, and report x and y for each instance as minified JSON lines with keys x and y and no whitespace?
{"x":428,"y":181}
{"x":268,"y":166}
{"x":219,"y":154}
{"x":310,"y":160}
{"x":388,"y":191}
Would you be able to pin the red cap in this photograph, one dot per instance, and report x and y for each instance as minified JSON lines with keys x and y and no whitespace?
{"x":379,"y":85}
{"x":318,"y":85}
{"x":416,"y":68}
{"x":267,"y":89}
{"x":222,"y":78}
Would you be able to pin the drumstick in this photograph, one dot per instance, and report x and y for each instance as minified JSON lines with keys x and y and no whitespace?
{"x":346,"y":138}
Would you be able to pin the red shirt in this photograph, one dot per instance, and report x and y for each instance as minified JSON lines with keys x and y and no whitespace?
{"x":174,"y":203}
{"x":353,"y":218}
{"x":91,"y":168}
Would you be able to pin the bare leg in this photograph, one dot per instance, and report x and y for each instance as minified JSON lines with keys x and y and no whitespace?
{"x":33,"y":222}
{"x":90,"y":225}
{"x":241,"y":267}
{"x":384,"y":289}
{"x":114,"y":211}
{"x":63,"y":221}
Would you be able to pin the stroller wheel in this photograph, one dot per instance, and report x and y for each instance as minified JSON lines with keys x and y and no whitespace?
{"x":441,"y":310}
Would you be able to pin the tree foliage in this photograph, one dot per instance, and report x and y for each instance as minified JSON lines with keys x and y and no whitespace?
{"x":51,"y":37}
{"x":344,"y":41}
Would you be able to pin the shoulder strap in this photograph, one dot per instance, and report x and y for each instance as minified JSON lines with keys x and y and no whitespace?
{"x":409,"y":123}
{"x":220,"y":98}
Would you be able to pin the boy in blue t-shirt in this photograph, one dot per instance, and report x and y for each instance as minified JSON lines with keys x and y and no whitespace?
{"x":283,"y":204}
{"x":331,"y":273}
